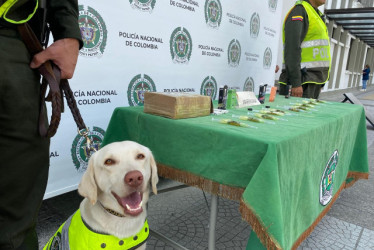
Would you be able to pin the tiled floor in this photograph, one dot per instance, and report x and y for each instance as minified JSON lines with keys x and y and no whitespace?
{"x":183,"y":216}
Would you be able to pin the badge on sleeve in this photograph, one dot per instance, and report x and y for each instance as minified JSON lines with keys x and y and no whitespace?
{"x":297,"y":18}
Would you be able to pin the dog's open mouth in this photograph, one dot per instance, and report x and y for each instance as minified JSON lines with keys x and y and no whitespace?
{"x":132,"y":204}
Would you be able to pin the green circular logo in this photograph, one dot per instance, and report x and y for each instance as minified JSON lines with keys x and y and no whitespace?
{"x":234,"y":52}
{"x":268,"y":57}
{"x":143,"y":5}
{"x":79,"y":151}
{"x":327,"y":180}
{"x":249,"y":85}
{"x":209,"y":87}
{"x":255,"y":25}
{"x":213,"y":13}
{"x":137,"y":87}
{"x":180,"y":45}
{"x":93,"y":32}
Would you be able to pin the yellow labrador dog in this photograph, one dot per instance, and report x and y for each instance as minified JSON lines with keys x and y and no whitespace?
{"x":113,"y":214}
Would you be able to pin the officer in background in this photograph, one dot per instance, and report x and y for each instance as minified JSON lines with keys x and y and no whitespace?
{"x":24,"y":154}
{"x":306,"y":51}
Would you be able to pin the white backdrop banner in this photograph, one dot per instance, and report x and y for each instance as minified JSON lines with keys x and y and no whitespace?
{"x":134,"y":46}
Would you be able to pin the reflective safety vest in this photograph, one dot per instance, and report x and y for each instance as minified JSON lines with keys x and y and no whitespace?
{"x":74,"y":235}
{"x":8,"y":4}
{"x":315,"y":48}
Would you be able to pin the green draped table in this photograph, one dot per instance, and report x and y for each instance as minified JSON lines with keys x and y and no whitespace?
{"x":286,"y":173}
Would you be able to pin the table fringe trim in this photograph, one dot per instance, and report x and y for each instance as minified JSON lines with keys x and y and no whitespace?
{"x":307,"y":232}
{"x":228,"y":192}
{"x":261,"y":230}
{"x":258,"y":227}
{"x":356,"y":176}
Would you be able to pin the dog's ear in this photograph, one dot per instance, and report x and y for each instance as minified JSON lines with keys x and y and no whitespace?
{"x":154,"y":175}
{"x":88,"y":187}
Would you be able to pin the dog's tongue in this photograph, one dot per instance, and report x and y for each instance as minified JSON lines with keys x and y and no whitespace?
{"x":132,"y":204}
{"x":133,"y":200}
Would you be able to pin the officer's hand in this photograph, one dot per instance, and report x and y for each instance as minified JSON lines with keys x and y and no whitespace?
{"x":64,"y":53}
{"x":298,"y":91}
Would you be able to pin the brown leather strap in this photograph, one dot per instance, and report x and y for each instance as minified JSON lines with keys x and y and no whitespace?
{"x":72,"y":104}
{"x":57,"y":88}
{"x":29,"y":38}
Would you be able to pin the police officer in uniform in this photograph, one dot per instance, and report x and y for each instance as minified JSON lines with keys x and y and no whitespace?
{"x":24,"y":154}
{"x":306,"y":51}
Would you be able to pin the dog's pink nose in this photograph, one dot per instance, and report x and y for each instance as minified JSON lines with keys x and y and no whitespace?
{"x":134,"y":178}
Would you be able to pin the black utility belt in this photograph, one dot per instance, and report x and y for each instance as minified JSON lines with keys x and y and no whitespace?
{"x":5,"y":24}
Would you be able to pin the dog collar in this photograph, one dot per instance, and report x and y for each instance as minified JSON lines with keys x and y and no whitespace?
{"x":112,"y":211}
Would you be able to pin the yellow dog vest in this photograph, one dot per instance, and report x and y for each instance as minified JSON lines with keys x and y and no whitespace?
{"x":74,"y":235}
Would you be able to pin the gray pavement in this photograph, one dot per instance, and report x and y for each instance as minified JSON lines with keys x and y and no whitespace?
{"x":183,"y":215}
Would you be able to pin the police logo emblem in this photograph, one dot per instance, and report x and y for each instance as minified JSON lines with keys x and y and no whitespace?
{"x":249,"y":85}
{"x":143,"y":5}
{"x":234,"y":52}
{"x":137,"y":87}
{"x":180,"y":45}
{"x":273,"y":5}
{"x":93,"y":32}
{"x":327,"y":180}
{"x":255,"y":25}
{"x":79,"y":151}
{"x":268,"y":57}
{"x":209,"y":87}
{"x":213,"y":13}
{"x":56,"y":242}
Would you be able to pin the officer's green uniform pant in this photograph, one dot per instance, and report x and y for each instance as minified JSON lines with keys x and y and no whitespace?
{"x":24,"y":155}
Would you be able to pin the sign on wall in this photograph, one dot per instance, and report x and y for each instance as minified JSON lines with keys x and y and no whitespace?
{"x":135,"y":46}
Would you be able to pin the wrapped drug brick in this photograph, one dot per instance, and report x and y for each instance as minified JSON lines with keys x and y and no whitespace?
{"x":177,"y":105}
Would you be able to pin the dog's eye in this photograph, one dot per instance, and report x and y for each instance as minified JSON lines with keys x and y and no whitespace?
{"x":140,"y":156}
{"x":109,"y":162}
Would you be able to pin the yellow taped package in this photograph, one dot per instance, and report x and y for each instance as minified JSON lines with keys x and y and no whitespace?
{"x":177,"y":105}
